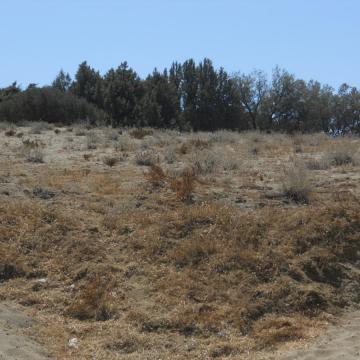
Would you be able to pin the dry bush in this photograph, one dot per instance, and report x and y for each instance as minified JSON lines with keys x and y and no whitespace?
{"x":205,"y":162}
{"x":124,"y":143}
{"x":39,"y":126}
{"x":317,"y":164}
{"x":343,"y":153}
{"x":230,"y":163}
{"x":146,"y":158}
{"x":225,"y":137}
{"x":140,"y":133}
{"x":111,"y":135}
{"x":184,"y":185}
{"x":10,"y":132}
{"x":57,"y":131}
{"x":199,"y":143}
{"x":274,"y":330}
{"x":93,"y":302}
{"x":33,"y":151}
{"x":155,"y":176}
{"x":92,"y":140}
{"x":183,"y":149}
{"x":296,"y":184}
{"x":80,"y":131}
{"x":87,"y":157}
{"x":169,"y":154}
{"x":110,"y":161}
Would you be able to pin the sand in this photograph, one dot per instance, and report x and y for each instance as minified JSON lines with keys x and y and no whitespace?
{"x":14,"y":344}
{"x":339,"y":342}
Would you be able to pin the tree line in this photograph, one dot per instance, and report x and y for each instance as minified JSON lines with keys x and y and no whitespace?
{"x":187,"y":96}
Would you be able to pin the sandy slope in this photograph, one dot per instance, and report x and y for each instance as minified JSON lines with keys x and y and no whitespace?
{"x":14,"y":345}
{"x":339,"y":342}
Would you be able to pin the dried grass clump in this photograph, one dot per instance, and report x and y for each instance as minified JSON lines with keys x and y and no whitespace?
{"x":183,"y":185}
{"x":80,"y":131}
{"x":92,"y":140}
{"x":32,"y":150}
{"x":205,"y":162}
{"x":111,"y":135}
{"x":230,"y":164}
{"x":140,"y":133}
{"x":169,"y":155}
{"x":110,"y":161}
{"x":39,"y":126}
{"x":199,"y":143}
{"x":155,"y":176}
{"x":296,"y":183}
{"x":273,"y":330}
{"x":225,"y":137}
{"x":318,"y":164}
{"x":93,"y":302}
{"x":343,"y":154}
{"x":146,"y":158}
{"x":124,"y":143}
{"x":10,"y":132}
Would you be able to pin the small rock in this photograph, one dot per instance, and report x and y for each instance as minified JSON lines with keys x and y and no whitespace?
{"x":73,"y":343}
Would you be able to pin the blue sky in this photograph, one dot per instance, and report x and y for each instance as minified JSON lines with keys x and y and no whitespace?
{"x":314,"y":39}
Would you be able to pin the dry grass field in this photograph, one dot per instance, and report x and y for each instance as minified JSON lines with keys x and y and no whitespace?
{"x":150,"y":244}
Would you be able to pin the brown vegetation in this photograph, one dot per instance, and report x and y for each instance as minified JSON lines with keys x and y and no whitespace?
{"x":190,"y":259}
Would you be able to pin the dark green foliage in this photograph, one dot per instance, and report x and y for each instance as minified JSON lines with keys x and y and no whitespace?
{"x":188,"y":96}
{"x":88,"y":84}
{"x":123,"y":92}
{"x":48,"y":104}
{"x":62,"y":81}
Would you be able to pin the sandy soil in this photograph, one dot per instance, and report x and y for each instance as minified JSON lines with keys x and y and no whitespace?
{"x":14,"y":344}
{"x":339,"y":342}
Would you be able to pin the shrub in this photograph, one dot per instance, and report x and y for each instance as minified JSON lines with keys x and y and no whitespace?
{"x":39,"y":126}
{"x":93,"y":301}
{"x":155,"y":176}
{"x":124,"y":143}
{"x":92,"y":140}
{"x":110,"y":161}
{"x":230,"y":164}
{"x":169,"y":155}
{"x":317,"y":164}
{"x":112,"y":135}
{"x":342,"y":154}
{"x":140,"y":133}
{"x":35,"y":155}
{"x":33,"y":151}
{"x":10,"y":132}
{"x":296,"y":183}
{"x":205,"y":162}
{"x":145,"y":158}
{"x":80,"y":131}
{"x":183,"y":185}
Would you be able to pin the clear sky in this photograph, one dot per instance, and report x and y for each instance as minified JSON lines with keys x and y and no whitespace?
{"x":314,"y":39}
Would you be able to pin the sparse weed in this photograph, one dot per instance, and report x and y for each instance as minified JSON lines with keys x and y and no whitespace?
{"x":296,"y":183}
{"x":183,"y":185}
{"x":92,"y":140}
{"x":146,"y":158}
{"x":169,"y":155}
{"x":205,"y":162}
{"x":110,"y":161}
{"x":155,"y":176}
{"x":140,"y":133}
